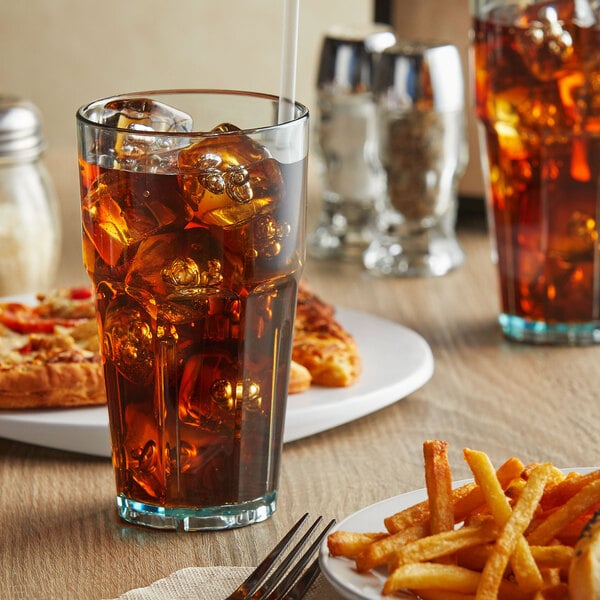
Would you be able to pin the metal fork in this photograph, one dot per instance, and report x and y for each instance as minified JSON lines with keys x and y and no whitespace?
{"x":289,"y":580}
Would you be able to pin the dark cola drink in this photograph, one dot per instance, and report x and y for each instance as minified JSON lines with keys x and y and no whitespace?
{"x":537,"y":83}
{"x":195,"y":254}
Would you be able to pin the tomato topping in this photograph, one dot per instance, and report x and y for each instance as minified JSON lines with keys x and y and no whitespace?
{"x":21,"y":319}
{"x":80,"y":293}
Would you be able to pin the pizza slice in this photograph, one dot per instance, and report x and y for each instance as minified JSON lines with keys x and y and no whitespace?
{"x":321,"y":344}
{"x":50,"y":355}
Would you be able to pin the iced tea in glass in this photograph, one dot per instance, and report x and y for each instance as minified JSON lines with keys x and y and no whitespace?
{"x":193,"y":210}
{"x":537,"y":90}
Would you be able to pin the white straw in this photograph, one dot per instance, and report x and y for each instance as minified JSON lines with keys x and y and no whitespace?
{"x":289,"y":53}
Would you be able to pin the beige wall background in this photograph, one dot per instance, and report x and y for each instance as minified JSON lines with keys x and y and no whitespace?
{"x":63,"y":53}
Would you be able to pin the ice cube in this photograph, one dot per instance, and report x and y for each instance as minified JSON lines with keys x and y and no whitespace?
{"x":212,"y":394}
{"x":582,"y":234}
{"x":175,"y":273}
{"x":128,"y":340}
{"x":545,"y":39}
{"x":229,"y":179}
{"x":120,"y":209}
{"x":145,"y":114}
{"x":138,"y":149}
{"x":206,"y":394}
{"x":263,"y":238}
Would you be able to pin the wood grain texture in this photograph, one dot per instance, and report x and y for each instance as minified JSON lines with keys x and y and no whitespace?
{"x":60,"y":537}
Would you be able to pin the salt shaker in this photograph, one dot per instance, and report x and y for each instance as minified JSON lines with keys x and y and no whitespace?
{"x":419,"y":95}
{"x":30,"y":232}
{"x":353,"y":179}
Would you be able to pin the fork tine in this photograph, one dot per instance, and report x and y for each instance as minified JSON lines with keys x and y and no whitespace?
{"x":292,"y":578}
{"x":269,"y":585}
{"x":258,"y":576}
{"x":304,"y":582}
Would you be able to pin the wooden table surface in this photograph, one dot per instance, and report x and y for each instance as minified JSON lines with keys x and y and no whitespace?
{"x":60,"y":536}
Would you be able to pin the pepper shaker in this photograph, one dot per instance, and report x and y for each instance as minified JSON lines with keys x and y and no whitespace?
{"x":419,"y":95}
{"x":352,"y":176}
{"x":30,"y":233}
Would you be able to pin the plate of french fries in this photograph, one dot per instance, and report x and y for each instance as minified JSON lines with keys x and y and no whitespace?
{"x":513,"y":532}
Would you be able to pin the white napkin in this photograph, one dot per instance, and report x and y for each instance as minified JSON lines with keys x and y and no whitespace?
{"x":212,"y":583}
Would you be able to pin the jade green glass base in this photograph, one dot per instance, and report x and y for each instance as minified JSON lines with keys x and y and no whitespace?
{"x":540,"y":332}
{"x":201,"y":519}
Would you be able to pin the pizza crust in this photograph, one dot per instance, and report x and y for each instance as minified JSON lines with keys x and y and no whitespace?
{"x":322,"y":345}
{"x":54,"y":385}
{"x":49,"y":355}
{"x":300,"y":378}
{"x":331,"y":363}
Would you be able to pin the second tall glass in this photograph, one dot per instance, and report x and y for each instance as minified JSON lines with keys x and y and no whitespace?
{"x":537,"y":74}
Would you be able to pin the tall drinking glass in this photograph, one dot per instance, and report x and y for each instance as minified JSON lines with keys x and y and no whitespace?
{"x":193,"y":213}
{"x":537,"y":89}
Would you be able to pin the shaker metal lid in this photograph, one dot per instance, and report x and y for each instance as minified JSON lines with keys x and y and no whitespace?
{"x":20,"y":129}
{"x":348,"y":56}
{"x":413,"y":75}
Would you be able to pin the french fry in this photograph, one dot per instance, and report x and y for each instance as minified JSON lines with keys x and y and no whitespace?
{"x":491,"y":489}
{"x":466,"y":498}
{"x":506,"y":474}
{"x":450,"y":579}
{"x":349,"y":543}
{"x":555,"y":592}
{"x":432,"y":576}
{"x":567,"y":488}
{"x":548,"y":557}
{"x":445,"y":543}
{"x":513,"y":491}
{"x":443,"y":595}
{"x":438,"y":480}
{"x":555,"y":477}
{"x":474,"y":558}
{"x":508,"y":591}
{"x":413,"y":515}
{"x":551,"y":578}
{"x":578,"y":504}
{"x":512,"y":533}
{"x":571,"y":533}
{"x":526,"y":571}
{"x":379,"y":552}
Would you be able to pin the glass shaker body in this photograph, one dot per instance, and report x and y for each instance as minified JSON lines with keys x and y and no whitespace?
{"x":352,"y":176}
{"x":422,"y":145}
{"x":423,"y":155}
{"x":30,"y":232}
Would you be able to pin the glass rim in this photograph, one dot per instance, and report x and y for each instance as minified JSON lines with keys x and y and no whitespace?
{"x":303,"y":111}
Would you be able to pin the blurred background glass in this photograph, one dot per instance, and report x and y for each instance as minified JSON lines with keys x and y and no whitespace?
{"x":419,"y":98}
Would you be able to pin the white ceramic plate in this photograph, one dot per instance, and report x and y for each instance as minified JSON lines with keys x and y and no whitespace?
{"x":341,"y":572}
{"x":396,"y":362}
